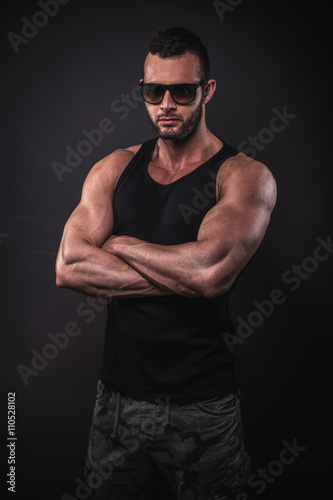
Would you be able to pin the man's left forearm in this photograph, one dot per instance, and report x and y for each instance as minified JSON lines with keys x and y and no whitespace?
{"x":177,"y":267}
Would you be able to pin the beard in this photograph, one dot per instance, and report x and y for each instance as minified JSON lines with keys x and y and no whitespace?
{"x":187,"y":128}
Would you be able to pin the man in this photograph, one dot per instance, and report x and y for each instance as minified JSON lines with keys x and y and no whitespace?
{"x":164,"y":229}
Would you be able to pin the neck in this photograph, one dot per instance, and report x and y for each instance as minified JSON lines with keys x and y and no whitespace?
{"x":195,"y":148}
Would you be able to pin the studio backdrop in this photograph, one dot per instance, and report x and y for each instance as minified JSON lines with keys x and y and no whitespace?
{"x":70,"y":74}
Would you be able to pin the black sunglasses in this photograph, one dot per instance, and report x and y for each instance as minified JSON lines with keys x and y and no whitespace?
{"x":181,"y":93}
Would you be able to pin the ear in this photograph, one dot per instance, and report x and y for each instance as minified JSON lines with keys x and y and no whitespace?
{"x":141,"y":80}
{"x":209,"y":90}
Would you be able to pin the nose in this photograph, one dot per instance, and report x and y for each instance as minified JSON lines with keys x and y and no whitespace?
{"x":168,"y":102}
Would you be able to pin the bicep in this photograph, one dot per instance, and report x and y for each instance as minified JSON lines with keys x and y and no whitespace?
{"x":234,"y":228}
{"x":92,"y":220}
{"x":92,"y":224}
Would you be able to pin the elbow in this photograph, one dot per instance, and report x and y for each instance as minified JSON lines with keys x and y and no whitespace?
{"x":61,"y":277}
{"x":60,"y":281}
{"x":211,"y":286}
{"x":67,"y":274}
{"x":212,"y":291}
{"x":62,"y":272}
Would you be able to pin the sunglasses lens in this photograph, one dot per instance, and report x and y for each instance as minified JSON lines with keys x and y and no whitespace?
{"x":152,"y":93}
{"x":183,"y":94}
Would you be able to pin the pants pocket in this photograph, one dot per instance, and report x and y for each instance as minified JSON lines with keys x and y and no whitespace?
{"x":218,"y":406}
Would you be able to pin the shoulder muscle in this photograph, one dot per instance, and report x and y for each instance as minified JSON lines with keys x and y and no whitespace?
{"x":244,"y":180}
{"x":93,"y":217}
{"x":104,"y":175}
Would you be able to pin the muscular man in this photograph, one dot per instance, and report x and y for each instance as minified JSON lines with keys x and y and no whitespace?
{"x":163,"y":229}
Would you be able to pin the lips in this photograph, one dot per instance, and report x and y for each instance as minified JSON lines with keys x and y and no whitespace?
{"x":168,"y":120}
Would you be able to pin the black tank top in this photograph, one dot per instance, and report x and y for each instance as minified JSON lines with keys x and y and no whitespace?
{"x":170,"y":346}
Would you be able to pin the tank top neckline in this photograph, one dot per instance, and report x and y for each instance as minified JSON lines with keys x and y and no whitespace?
{"x":150,"y":150}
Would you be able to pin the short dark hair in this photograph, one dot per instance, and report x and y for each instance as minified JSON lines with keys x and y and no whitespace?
{"x":172,"y":42}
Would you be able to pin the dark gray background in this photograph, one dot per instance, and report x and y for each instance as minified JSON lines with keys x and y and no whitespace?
{"x":264,"y":55}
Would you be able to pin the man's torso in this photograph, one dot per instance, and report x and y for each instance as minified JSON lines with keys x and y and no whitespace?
{"x":172,"y":345}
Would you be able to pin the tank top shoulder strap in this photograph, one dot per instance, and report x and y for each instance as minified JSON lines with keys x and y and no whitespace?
{"x":221,"y":156}
{"x":145,"y":149}
{"x":138,"y":161}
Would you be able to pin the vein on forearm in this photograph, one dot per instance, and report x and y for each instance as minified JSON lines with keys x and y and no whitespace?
{"x":170,"y":266}
{"x":95,"y":271}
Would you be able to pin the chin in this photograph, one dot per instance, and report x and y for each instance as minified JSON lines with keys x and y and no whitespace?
{"x":169,"y":135}
{"x":175,"y":135}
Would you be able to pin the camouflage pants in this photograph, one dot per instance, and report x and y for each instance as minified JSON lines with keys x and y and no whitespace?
{"x":198,"y":448}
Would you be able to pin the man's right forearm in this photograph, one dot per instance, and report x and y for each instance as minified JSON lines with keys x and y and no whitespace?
{"x":94,"y":271}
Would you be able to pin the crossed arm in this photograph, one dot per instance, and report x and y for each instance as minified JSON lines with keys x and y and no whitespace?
{"x":93,"y":261}
{"x":83,"y":264}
